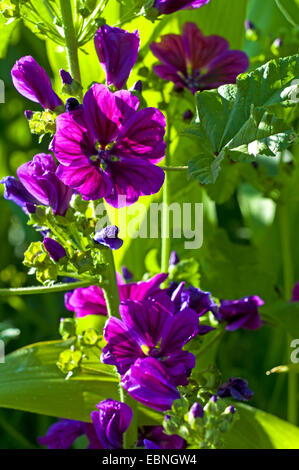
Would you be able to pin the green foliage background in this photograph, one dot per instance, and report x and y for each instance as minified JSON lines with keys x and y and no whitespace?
{"x":241,"y":252}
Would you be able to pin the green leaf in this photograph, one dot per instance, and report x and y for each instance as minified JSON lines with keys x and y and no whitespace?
{"x":6,"y":30}
{"x":290,"y":10}
{"x":283,"y":314}
{"x":31,"y":381}
{"x":239,"y":121}
{"x":259,"y":430}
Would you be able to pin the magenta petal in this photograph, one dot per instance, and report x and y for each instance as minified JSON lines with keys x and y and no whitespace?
{"x":147,"y":382}
{"x":123,"y":347}
{"x":184,"y":326}
{"x":171,"y":52}
{"x":147,"y":320}
{"x":166,"y":7}
{"x":72,"y":143}
{"x":132,"y":178}
{"x":32,"y":81}
{"x":142,"y":136}
{"x":142,"y":290}
{"x":117,"y":50}
{"x":91,"y":182}
{"x":105,"y":112}
{"x":86,"y":301}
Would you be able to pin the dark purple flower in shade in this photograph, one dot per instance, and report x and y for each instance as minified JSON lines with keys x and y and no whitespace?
{"x":32,"y":81}
{"x":55,"y":250}
{"x":165,"y":7}
{"x":236,"y":388}
{"x":66,"y":77}
{"x":62,"y":435}
{"x":110,"y":421}
{"x":295,"y":293}
{"x":200,"y":301}
{"x":90,"y":300}
{"x":108,"y":236}
{"x":197,"y":410}
{"x":149,"y":329}
{"x":117,"y":50}
{"x":242,"y":313}
{"x":28,"y":114}
{"x":38,"y":177}
{"x":109,"y":149}
{"x":147,"y":382}
{"x":71,"y":104}
{"x":197,"y":62}
{"x":154,"y":437}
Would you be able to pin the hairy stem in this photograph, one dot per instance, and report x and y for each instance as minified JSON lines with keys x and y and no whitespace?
{"x":288,"y":274}
{"x":109,"y":285}
{"x":165,"y":254}
{"x":44,"y":289}
{"x":71,"y":43}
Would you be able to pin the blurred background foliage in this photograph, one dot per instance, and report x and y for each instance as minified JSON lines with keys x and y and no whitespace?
{"x":240,"y":232}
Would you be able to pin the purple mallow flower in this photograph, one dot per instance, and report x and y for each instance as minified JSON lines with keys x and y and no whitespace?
{"x":117,"y":50}
{"x":38,"y":185}
{"x":110,"y":421}
{"x":236,"y":388}
{"x":109,"y":149}
{"x":147,"y":382}
{"x":55,"y":250}
{"x":62,"y":435}
{"x":90,"y":300}
{"x":154,"y":437}
{"x":66,"y":77}
{"x":150,"y":329}
{"x":197,"y":62}
{"x":32,"y":81}
{"x":108,"y":236}
{"x":165,"y":7}
{"x":242,"y":313}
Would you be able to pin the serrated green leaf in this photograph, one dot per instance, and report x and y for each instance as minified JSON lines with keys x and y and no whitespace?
{"x":239,"y":121}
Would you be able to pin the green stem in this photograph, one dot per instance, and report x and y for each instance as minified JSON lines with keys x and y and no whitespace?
{"x":165,"y":254}
{"x":71,"y":43}
{"x":174,"y":168}
{"x":109,"y":285}
{"x":288,"y":274}
{"x":44,"y":289}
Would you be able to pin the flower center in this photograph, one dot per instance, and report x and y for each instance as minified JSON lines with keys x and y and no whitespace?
{"x":103,"y":155}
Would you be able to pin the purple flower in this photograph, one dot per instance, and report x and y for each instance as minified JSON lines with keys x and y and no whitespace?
{"x":108,"y":236}
{"x":117,"y":50}
{"x":127,"y":275}
{"x":198,"y":300}
{"x":149,"y":329}
{"x":62,"y":435}
{"x":91,"y":301}
{"x":38,"y":177}
{"x":147,"y":382}
{"x":197,"y":410}
{"x":165,"y":7}
{"x":55,"y":250}
{"x":154,"y":437}
{"x":173,"y":259}
{"x":16,"y":192}
{"x":110,"y":422}
{"x":295,"y":293}
{"x":197,"y":62}
{"x":109,"y":149}
{"x":236,"y":388}
{"x":72,"y":104}
{"x":32,"y":81}
{"x":242,"y":313}
{"x":66,"y":77}
{"x":38,"y":185}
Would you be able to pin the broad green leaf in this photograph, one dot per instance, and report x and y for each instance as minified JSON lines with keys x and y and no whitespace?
{"x":31,"y":381}
{"x":290,"y":9}
{"x":239,"y":121}
{"x":259,"y":430}
{"x":6,"y":29}
{"x":284,"y":314}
